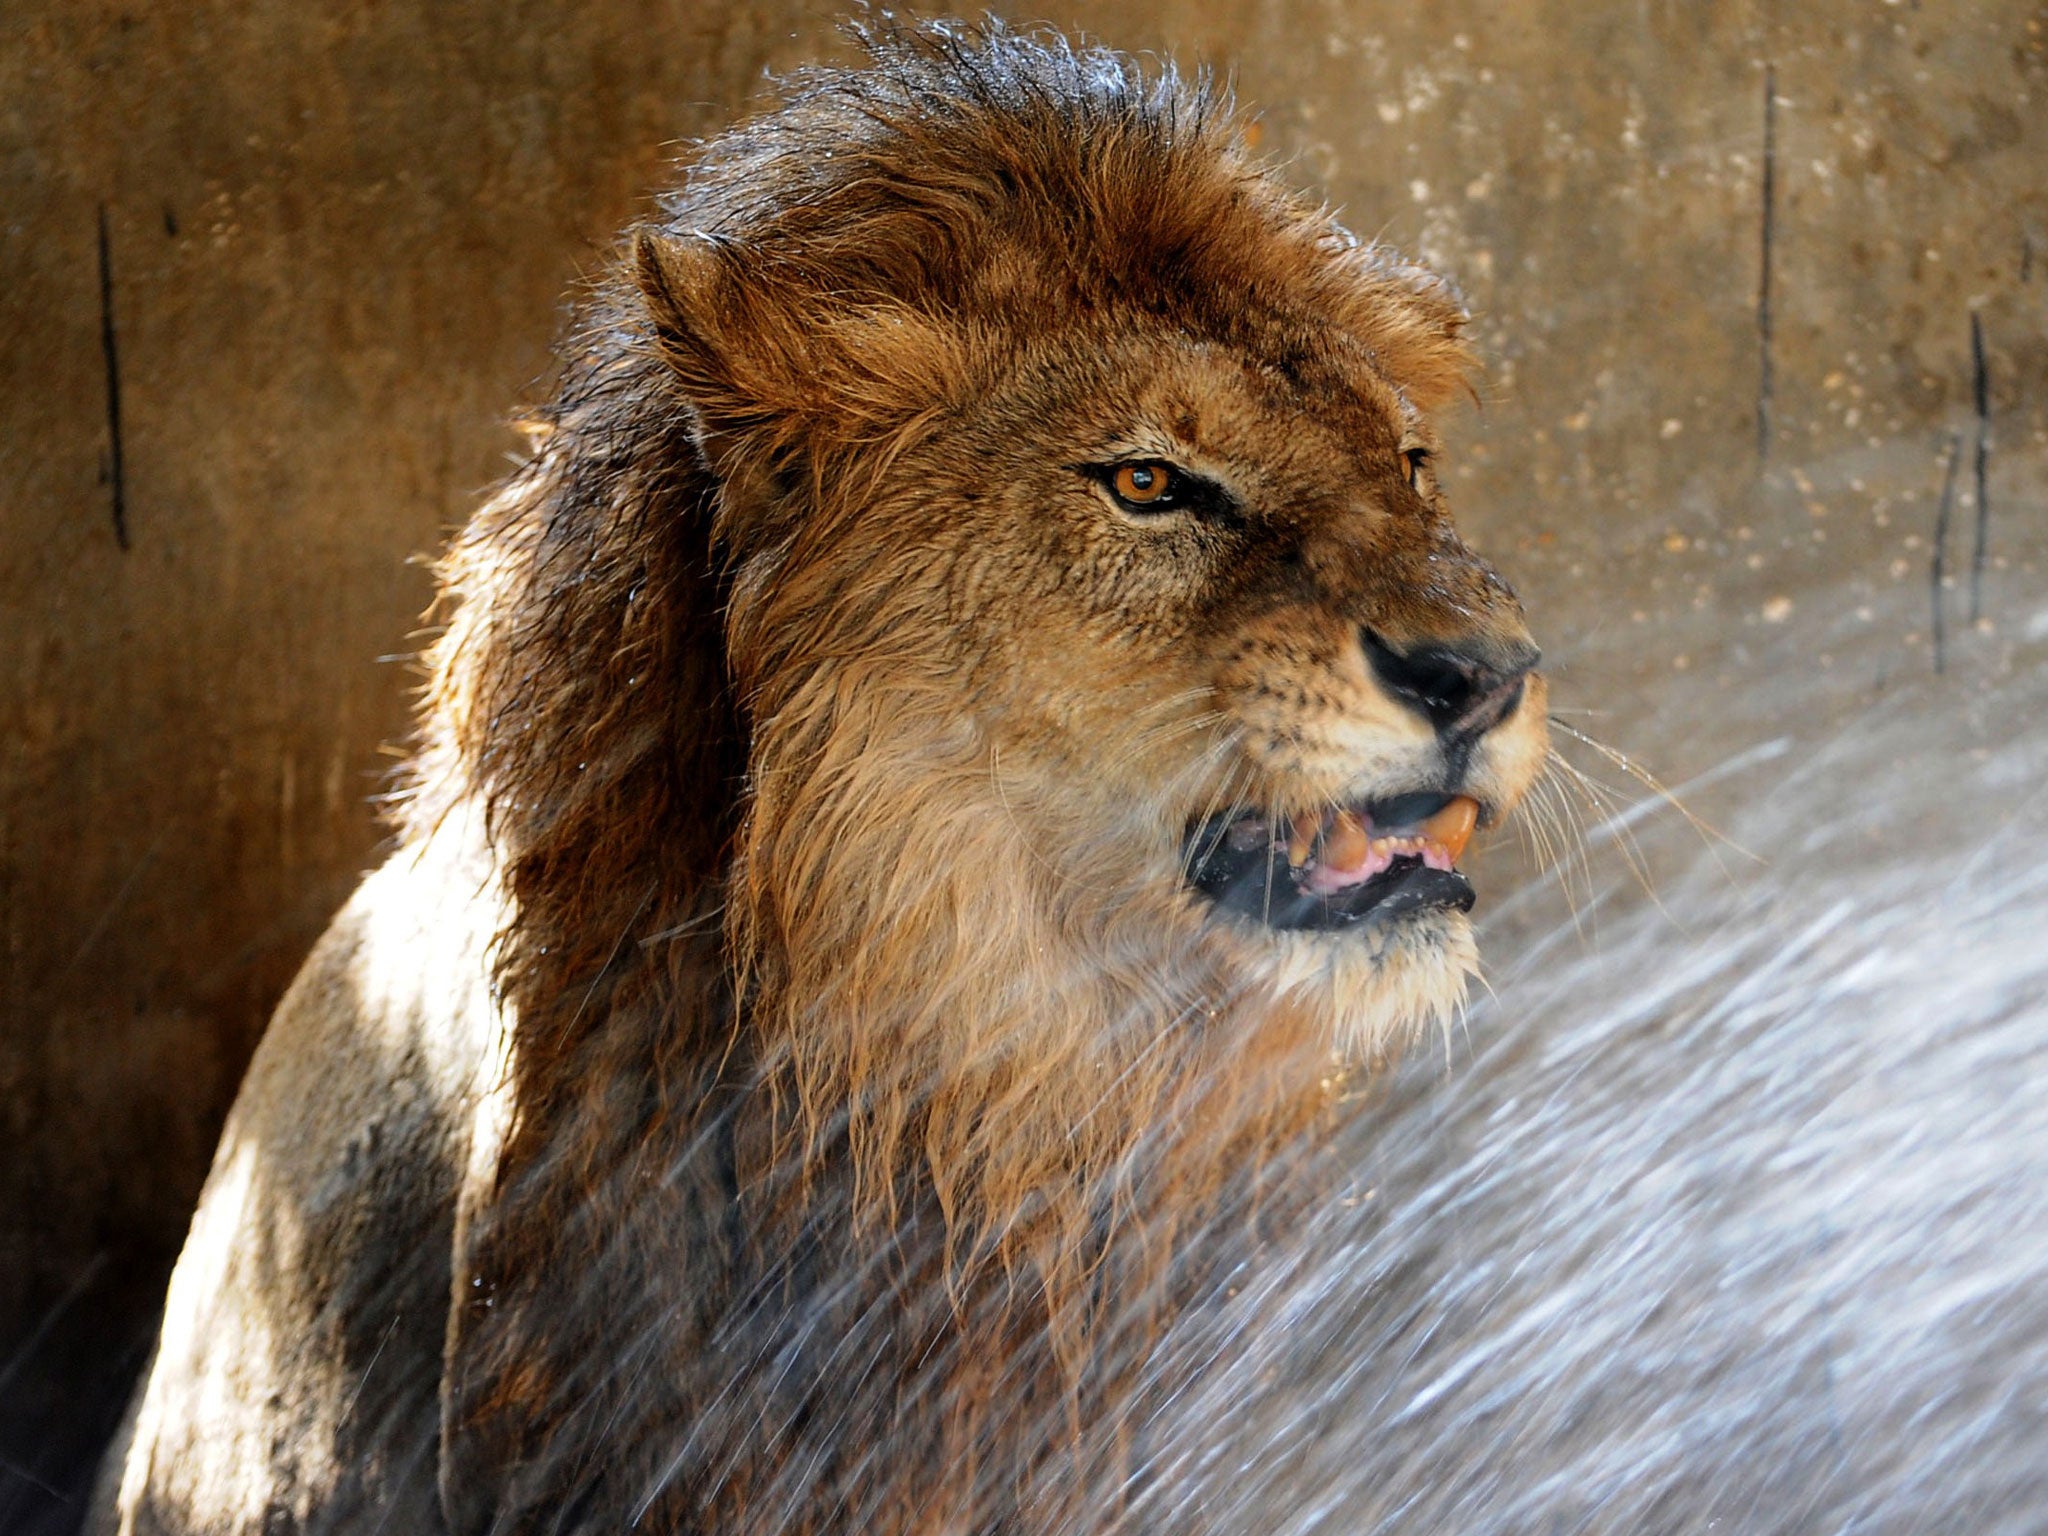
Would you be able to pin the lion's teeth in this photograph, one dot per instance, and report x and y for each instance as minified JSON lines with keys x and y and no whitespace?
{"x":1347,"y":845}
{"x":1345,"y":853}
{"x":1302,"y":838}
{"x":1451,"y":827}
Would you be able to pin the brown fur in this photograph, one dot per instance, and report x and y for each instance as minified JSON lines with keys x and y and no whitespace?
{"x":867,"y":1062}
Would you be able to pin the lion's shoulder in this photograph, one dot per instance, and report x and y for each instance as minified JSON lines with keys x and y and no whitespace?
{"x":300,"y":1357}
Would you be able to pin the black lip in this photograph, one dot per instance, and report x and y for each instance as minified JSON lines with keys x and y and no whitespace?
{"x":1257,"y":883}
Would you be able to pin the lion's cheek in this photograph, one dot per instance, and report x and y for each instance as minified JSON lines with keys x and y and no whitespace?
{"x":1102,"y":729}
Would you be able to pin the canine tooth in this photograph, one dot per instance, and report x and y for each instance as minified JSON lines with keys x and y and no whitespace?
{"x":1347,"y":846}
{"x":1302,"y":838}
{"x":1451,"y":827}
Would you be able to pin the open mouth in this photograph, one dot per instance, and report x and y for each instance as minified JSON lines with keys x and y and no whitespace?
{"x":1364,"y":863}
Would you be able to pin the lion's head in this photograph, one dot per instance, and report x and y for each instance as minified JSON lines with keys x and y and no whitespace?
{"x":989,"y":563}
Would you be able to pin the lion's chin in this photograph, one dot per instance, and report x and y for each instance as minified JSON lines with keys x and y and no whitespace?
{"x":1367,"y":990}
{"x":1371,"y":989}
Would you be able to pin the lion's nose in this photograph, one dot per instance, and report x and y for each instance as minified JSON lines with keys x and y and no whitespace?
{"x":1463,"y":689}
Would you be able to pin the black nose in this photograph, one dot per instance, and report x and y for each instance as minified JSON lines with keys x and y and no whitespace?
{"x":1462,"y":690}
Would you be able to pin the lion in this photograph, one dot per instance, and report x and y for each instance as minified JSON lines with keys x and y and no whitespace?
{"x":954,"y":750}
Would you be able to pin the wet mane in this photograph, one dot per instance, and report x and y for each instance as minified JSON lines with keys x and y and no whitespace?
{"x":778,"y":935}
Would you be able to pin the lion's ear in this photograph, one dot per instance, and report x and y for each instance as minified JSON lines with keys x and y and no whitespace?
{"x":1413,"y":319}
{"x":714,"y":330}
{"x":768,"y":359}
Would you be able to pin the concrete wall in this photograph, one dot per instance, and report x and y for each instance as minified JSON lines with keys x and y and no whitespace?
{"x":318,"y":254}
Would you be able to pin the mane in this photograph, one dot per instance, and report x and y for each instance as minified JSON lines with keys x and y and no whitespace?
{"x":757,"y":851}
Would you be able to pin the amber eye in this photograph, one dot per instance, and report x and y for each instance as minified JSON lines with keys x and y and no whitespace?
{"x":1416,"y":457}
{"x":1147,"y":484}
{"x":1149,"y":488}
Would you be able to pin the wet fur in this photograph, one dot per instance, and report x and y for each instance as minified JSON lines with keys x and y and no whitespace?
{"x":815,"y":741}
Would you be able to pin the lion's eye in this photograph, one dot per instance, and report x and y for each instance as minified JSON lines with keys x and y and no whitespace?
{"x":1149,"y":485}
{"x":1417,"y":458}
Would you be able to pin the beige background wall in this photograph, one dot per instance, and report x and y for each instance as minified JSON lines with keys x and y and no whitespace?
{"x":336,"y":241}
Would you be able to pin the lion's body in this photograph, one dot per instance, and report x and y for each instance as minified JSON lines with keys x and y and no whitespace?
{"x":771,"y":1089}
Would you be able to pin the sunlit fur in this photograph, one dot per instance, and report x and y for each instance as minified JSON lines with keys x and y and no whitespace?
{"x":836,"y":735}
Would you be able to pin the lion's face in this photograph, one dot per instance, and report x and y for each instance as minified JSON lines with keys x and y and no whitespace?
{"x":1143,"y":540}
{"x":1213,"y":599}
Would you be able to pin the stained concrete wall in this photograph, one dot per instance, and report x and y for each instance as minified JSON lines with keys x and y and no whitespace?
{"x":273,"y":277}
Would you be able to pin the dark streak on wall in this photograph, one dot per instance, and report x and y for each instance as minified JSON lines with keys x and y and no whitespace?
{"x":1768,"y":223}
{"x":1980,"y":398}
{"x":110,"y":349}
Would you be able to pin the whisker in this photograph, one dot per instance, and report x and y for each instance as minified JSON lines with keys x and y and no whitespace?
{"x":1161,"y":734}
{"x":1614,"y":825}
{"x":1239,"y":802}
{"x":1551,"y":835}
{"x":1628,"y":765}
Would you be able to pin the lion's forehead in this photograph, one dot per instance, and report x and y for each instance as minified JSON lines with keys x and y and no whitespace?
{"x":1270,"y":421}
